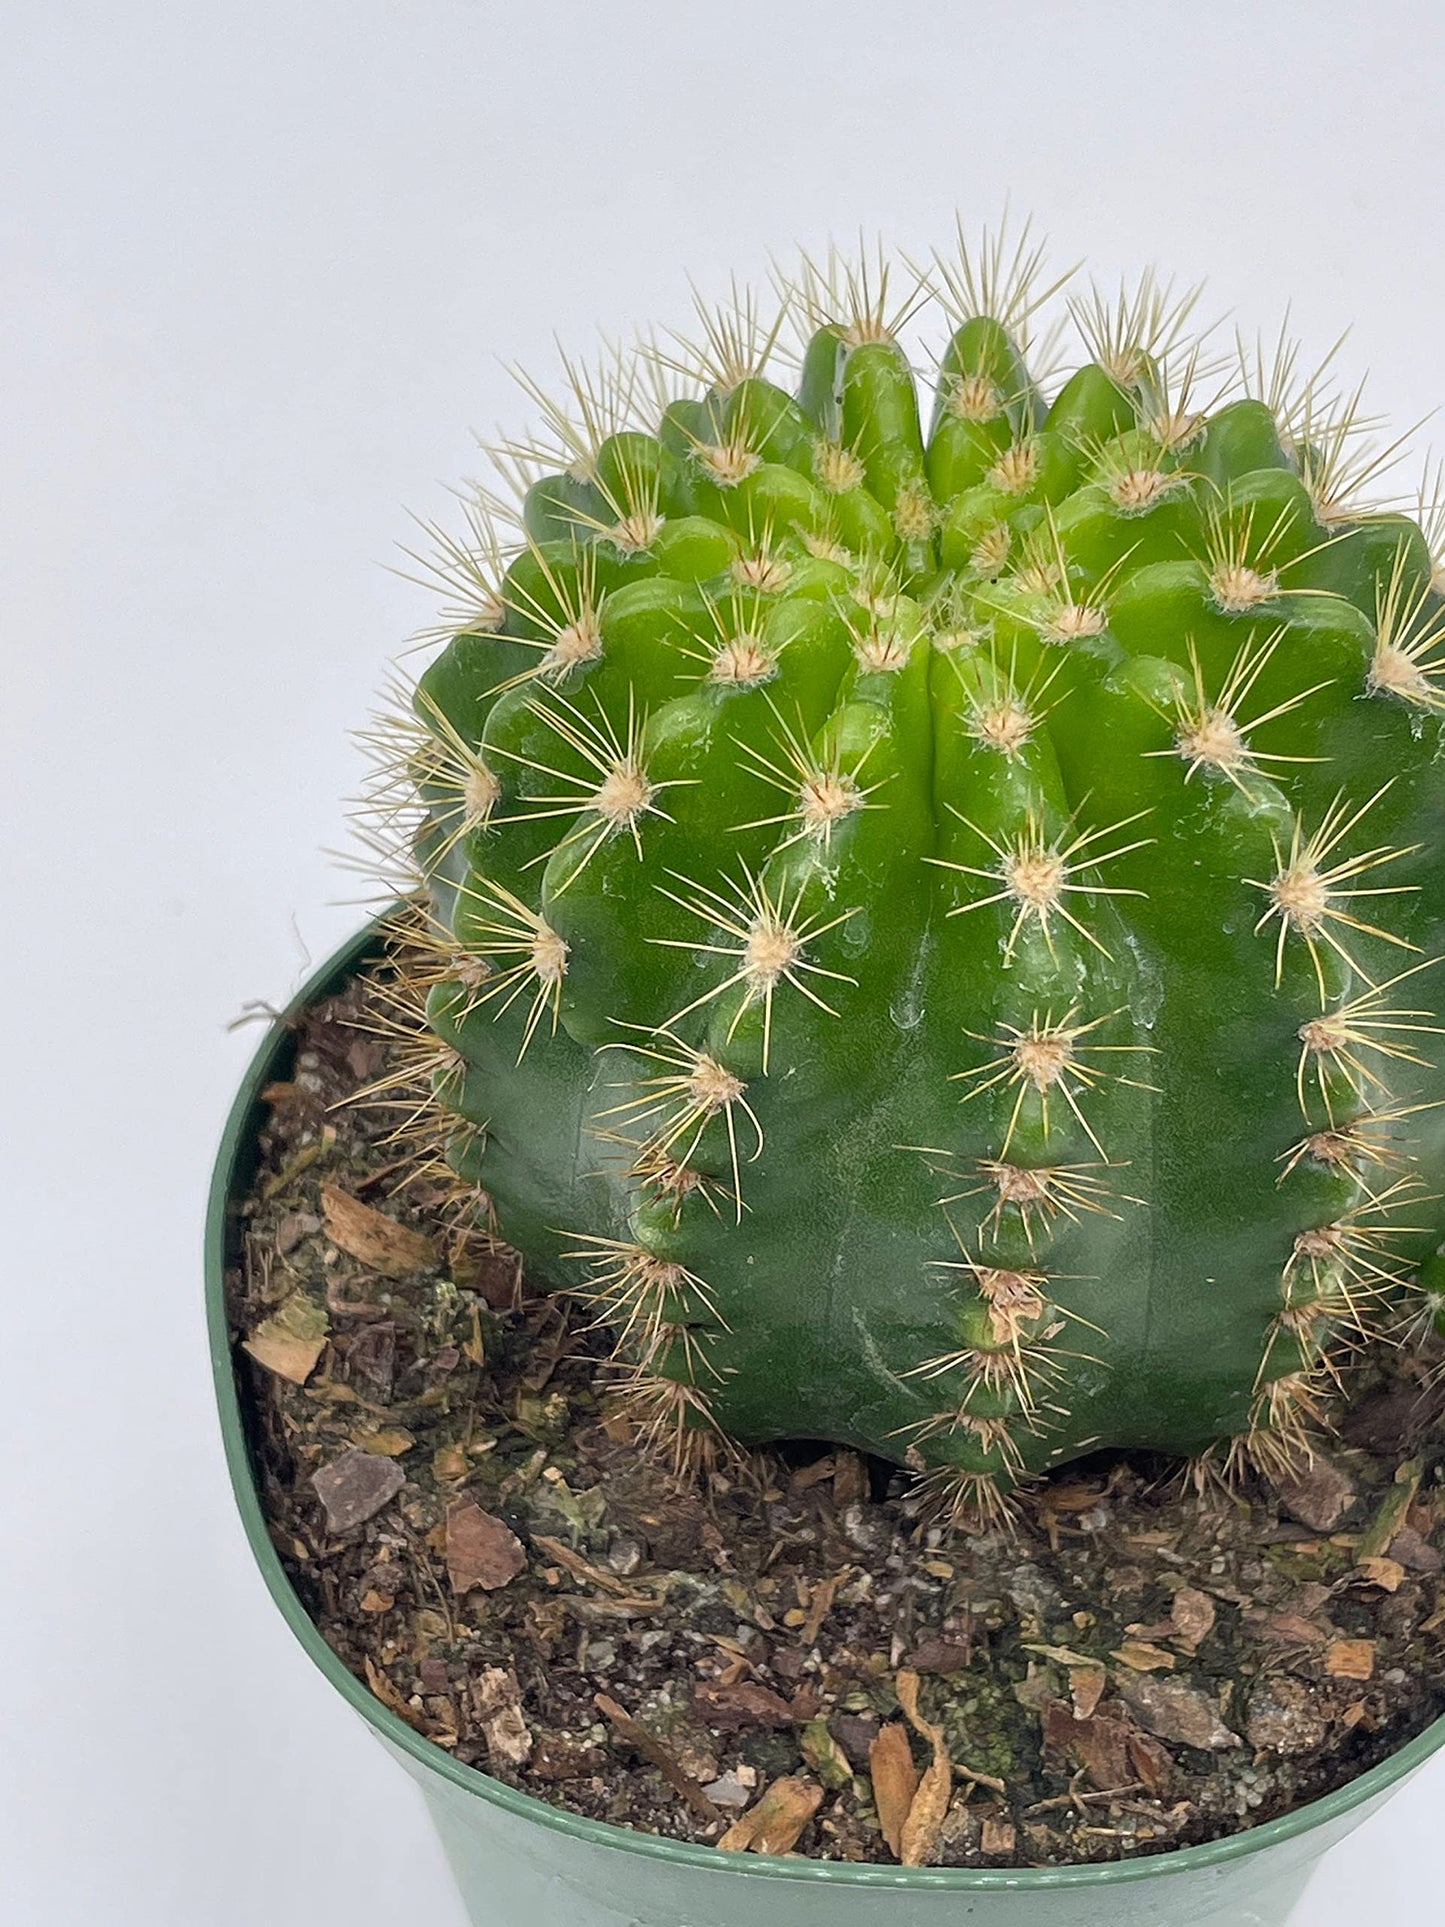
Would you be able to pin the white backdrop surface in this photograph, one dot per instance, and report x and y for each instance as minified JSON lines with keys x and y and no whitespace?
{"x":259,"y":267}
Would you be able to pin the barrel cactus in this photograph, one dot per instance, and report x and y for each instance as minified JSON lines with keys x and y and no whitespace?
{"x":929,"y":929}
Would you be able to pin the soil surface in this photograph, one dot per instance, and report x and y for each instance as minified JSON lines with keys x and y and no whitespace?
{"x":782,"y":1657}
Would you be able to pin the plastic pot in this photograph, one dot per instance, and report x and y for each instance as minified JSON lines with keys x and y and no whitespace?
{"x":522,"y":1863}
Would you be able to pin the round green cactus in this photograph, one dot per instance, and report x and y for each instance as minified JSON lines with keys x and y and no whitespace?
{"x":931,"y":931}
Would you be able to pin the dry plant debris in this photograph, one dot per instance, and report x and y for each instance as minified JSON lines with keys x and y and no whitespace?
{"x":782,"y":1658}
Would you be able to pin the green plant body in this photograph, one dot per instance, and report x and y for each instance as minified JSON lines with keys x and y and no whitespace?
{"x":931,"y":916}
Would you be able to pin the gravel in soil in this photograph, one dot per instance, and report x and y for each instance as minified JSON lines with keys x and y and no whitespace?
{"x":783,"y":1656}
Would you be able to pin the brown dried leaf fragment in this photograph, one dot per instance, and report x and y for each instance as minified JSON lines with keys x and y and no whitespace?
{"x":497,"y":1703}
{"x":1174,"y":1710}
{"x":495,"y":1274}
{"x":918,"y":1843}
{"x":449,"y":1464}
{"x":999,"y":1835}
{"x":1060,"y":1655}
{"x":730,"y":1706}
{"x":391,"y":1442}
{"x":282,"y":1092}
{"x":291,"y":1340}
{"x":1099,"y":1743}
{"x":1350,"y":1658}
{"x":820,"y":1604}
{"x":579,"y":1567}
{"x":895,"y":1781}
{"x":850,"y":1479}
{"x":482,"y":1550}
{"x":375,"y":1240}
{"x":1192,"y":1613}
{"x":1086,"y":1689}
{"x":924,"y":1825}
{"x":1152,"y":1762}
{"x":1387,"y":1574}
{"x":1141,"y":1657}
{"x":384,"y":1689}
{"x":776,"y":1822}
{"x":1072,"y":1496}
{"x":1294,"y":1629}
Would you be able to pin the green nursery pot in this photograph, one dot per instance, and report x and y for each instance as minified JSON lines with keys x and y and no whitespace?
{"x":522,"y":1863}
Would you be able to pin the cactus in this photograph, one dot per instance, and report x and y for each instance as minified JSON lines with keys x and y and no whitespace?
{"x":930,"y":932}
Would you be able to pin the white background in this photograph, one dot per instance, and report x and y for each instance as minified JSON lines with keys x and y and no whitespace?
{"x":259,"y":265}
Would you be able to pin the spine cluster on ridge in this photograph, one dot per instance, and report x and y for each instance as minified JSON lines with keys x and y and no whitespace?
{"x":931,"y":930}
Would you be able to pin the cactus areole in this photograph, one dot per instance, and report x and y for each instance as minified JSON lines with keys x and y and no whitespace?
{"x":931,"y":887}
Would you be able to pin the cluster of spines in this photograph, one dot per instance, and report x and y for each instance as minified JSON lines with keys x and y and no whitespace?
{"x":1336,"y":1274}
{"x":1344,"y":1281}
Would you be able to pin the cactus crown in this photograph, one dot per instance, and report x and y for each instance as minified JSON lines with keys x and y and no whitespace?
{"x":930,"y":930}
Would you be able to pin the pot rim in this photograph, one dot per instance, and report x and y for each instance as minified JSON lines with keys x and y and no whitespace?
{"x":227,"y":1182}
